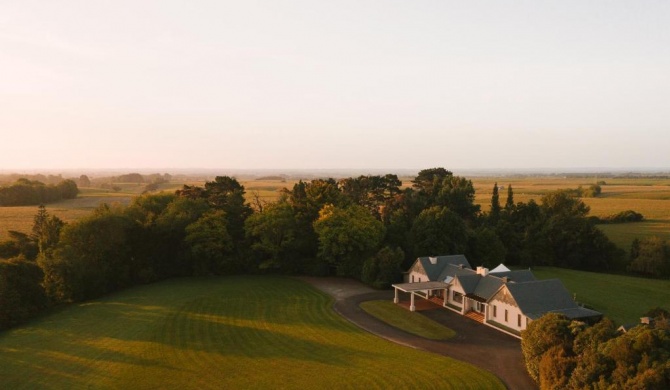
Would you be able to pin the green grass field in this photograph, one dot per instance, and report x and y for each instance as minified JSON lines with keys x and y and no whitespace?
{"x":234,"y":333}
{"x":622,"y":298}
{"x":410,"y":322}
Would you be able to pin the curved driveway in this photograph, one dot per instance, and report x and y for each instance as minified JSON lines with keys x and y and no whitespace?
{"x":474,"y":343}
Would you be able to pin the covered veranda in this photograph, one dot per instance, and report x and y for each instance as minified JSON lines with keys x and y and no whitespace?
{"x":423,"y":289}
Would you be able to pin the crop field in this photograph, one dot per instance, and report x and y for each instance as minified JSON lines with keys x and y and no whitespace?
{"x":213,"y":333}
{"x":622,"y":298}
{"x":20,"y":218}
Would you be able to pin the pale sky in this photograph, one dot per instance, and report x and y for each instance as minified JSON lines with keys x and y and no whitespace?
{"x":334,"y":84}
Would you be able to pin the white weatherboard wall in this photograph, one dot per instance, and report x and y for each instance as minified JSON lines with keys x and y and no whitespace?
{"x":456,"y":288}
{"x":417,"y":273}
{"x":512,"y":315}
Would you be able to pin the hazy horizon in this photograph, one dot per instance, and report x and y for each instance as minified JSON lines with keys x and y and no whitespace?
{"x":304,"y":85}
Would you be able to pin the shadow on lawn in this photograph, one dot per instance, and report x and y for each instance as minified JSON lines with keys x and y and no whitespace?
{"x":262,"y":318}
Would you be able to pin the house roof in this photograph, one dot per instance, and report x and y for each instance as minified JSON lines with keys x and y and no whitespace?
{"x":454,"y":270}
{"x":488,"y":286}
{"x":519,"y":276}
{"x":418,"y":286}
{"x":484,"y":287}
{"x":542,"y":296}
{"x":469,"y":282}
{"x":433,"y":271}
{"x":500,"y":268}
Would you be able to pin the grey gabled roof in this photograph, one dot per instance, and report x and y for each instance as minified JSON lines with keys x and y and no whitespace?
{"x":469,"y":282}
{"x":485,"y":286}
{"x":433,"y":271}
{"x":518,"y":276}
{"x":488,"y":286}
{"x":542,"y":296}
{"x":453,"y":271}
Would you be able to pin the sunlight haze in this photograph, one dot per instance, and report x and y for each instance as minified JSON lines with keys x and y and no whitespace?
{"x":347,"y":84}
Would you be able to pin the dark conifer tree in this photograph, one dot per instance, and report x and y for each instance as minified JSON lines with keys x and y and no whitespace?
{"x":509,"y":204}
{"x":495,"y":205}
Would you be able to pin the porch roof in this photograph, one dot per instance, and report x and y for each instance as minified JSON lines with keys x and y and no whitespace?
{"x":410,"y":287}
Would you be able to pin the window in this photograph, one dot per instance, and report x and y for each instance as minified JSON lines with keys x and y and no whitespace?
{"x":458,"y":297}
{"x":505,"y":315}
{"x":495,"y":311}
{"x":518,"y":320}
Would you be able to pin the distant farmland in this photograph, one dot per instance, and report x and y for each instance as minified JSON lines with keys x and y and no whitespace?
{"x":651,"y":197}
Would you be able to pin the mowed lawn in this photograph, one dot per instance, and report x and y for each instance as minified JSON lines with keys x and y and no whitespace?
{"x":624,"y":299}
{"x":229,"y":332}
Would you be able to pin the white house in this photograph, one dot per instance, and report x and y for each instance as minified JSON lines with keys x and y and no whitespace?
{"x":504,"y":299}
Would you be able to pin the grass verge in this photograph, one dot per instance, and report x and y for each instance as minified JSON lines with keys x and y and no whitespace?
{"x":410,"y":322}
{"x":622,"y":298}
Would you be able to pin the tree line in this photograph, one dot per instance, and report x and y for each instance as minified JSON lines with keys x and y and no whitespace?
{"x":25,"y":192}
{"x":367,"y":227}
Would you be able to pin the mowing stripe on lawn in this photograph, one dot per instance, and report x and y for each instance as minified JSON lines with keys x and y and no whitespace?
{"x":228,"y":332}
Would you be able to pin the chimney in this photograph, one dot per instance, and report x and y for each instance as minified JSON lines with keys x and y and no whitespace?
{"x":460,"y":266}
{"x":482,"y":271}
{"x":505,"y":279}
{"x":645,"y":320}
{"x":433,"y":260}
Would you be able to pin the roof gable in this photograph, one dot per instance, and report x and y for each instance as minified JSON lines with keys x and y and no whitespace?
{"x":503,"y":295}
{"x":418,"y":267}
{"x":433,"y":271}
{"x":500,"y":268}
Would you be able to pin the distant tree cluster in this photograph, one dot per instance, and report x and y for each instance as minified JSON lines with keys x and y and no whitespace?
{"x":564,"y":354}
{"x":46,"y":179}
{"x":622,"y":217}
{"x":25,"y":192}
{"x":650,"y":257}
{"x":591,"y":191}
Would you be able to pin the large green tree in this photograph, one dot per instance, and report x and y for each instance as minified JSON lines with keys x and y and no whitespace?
{"x":46,"y":230}
{"x":273,"y":234}
{"x":541,"y":335}
{"x":438,"y":231}
{"x":347,"y":236}
{"x":210,"y":244}
{"x":371,"y":192}
{"x":21,"y":293}
{"x":93,"y":257}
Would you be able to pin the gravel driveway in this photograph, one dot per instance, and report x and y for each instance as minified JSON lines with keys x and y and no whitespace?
{"x":474,"y":343}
